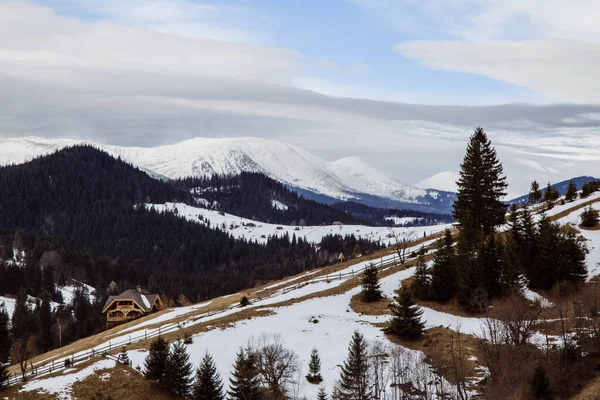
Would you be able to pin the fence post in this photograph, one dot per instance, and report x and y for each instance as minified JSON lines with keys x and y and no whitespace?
{"x":145,"y":334}
{"x":129,"y":339}
{"x":353,"y":273}
{"x":340,"y":276}
{"x":109,"y":346}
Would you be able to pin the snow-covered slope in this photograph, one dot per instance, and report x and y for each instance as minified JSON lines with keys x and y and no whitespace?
{"x":345,"y":179}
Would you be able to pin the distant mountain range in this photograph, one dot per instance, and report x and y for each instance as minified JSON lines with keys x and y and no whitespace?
{"x":347,"y":179}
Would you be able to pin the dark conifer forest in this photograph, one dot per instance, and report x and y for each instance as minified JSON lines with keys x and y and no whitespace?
{"x":82,"y":204}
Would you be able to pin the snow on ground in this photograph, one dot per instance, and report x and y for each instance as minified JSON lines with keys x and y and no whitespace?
{"x":295,"y":325}
{"x":259,"y":231}
{"x":276,"y":204}
{"x":401,"y":221}
{"x":7,"y":305}
{"x":61,"y":385}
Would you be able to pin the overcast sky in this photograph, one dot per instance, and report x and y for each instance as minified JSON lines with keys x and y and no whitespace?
{"x":400,"y":84}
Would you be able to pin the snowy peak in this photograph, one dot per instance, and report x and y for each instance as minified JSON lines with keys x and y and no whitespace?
{"x":346,"y":179}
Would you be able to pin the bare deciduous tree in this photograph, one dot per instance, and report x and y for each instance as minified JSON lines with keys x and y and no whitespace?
{"x":277,"y":365}
{"x":21,"y":351}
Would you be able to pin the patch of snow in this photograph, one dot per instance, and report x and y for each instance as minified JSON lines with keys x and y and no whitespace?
{"x":62,"y":385}
{"x":276,"y":204}
{"x":259,"y":231}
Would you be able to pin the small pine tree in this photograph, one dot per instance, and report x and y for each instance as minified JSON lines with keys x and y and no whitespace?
{"x":356,"y":252}
{"x":443,"y":271}
{"x":541,"y":385}
{"x":589,"y":217}
{"x":208,"y":384}
{"x":154,"y":365}
{"x":321,"y":395}
{"x":535,"y":194}
{"x":178,"y":370}
{"x":314,"y":368}
{"x":124,"y":357}
{"x":354,"y":382}
{"x":245,"y":379}
{"x":571,"y":194}
{"x":422,"y":282}
{"x":406,"y":317}
{"x":370,"y":284}
{"x":244,"y":301}
{"x":4,"y":375}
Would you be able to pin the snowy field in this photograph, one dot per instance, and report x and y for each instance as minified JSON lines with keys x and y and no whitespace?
{"x":257,"y":231}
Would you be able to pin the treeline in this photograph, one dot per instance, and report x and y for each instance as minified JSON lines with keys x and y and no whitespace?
{"x":38,"y":328}
{"x":384,"y":216}
{"x":81,"y":203}
{"x":485,"y":265}
{"x":251,"y":195}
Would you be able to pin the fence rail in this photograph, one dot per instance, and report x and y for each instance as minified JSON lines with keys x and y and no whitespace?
{"x":64,"y":363}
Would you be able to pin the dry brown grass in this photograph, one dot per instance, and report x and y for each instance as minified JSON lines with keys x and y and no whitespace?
{"x":359,"y":306}
{"x":123,"y":384}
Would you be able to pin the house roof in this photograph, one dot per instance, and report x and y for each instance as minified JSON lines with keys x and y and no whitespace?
{"x":144,"y":301}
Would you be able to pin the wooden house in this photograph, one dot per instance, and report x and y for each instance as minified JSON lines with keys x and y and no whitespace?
{"x":131,"y":304}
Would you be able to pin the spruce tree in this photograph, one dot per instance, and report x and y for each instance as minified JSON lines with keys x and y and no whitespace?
{"x":22,"y":319}
{"x":314,"y":368}
{"x":572,"y":255}
{"x":354,"y":382}
{"x":244,"y":383}
{"x":406,"y":317}
{"x":178,"y":370}
{"x":5,"y":339}
{"x":322,"y":395}
{"x":535,"y":194}
{"x":571,"y":193}
{"x":44,"y":324}
{"x":550,"y":195}
{"x":154,"y":365}
{"x":4,"y":376}
{"x":208,"y":384}
{"x":370,"y":284}
{"x":590,"y":217}
{"x":421,"y":282}
{"x":540,"y":385}
{"x":443,"y":271}
{"x":481,"y":187}
{"x":123,"y":356}
{"x":543,"y":273}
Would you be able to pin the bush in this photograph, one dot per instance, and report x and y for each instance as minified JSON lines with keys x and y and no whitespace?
{"x":68,"y":363}
{"x":244,"y":301}
{"x":589,"y":217}
{"x":187,"y":338}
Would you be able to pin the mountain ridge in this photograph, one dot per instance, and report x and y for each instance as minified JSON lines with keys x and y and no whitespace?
{"x":347,"y":179}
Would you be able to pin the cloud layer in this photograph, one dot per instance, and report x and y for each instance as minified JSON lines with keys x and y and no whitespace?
{"x":131,"y":85}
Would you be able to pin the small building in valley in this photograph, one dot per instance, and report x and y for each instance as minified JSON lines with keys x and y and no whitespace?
{"x":131,"y":304}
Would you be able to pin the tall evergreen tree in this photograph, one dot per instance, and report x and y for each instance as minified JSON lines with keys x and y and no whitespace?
{"x":571,"y":263}
{"x":571,"y":193}
{"x":371,"y":290}
{"x":208,"y":384}
{"x":244,"y":383}
{"x":5,"y":339}
{"x":22,"y":319}
{"x":44,"y":324}
{"x":154,"y":365}
{"x":354,"y":382}
{"x":178,"y":370}
{"x":421,"y":285}
{"x":481,"y":187}
{"x":535,"y":194}
{"x":443,"y":271}
{"x":550,"y":194}
{"x":314,"y":367}
{"x":406,"y":316}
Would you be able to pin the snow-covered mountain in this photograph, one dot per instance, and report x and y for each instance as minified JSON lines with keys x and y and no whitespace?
{"x":347,"y":179}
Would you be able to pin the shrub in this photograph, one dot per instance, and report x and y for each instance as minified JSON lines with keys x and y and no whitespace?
{"x":589,"y":217}
{"x":244,"y":301}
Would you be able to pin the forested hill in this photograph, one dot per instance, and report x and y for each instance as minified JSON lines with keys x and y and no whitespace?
{"x":83,"y":202}
{"x":258,"y":197}
{"x":390,"y":216}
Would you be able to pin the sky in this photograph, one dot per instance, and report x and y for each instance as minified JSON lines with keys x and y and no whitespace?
{"x":400,"y":84}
